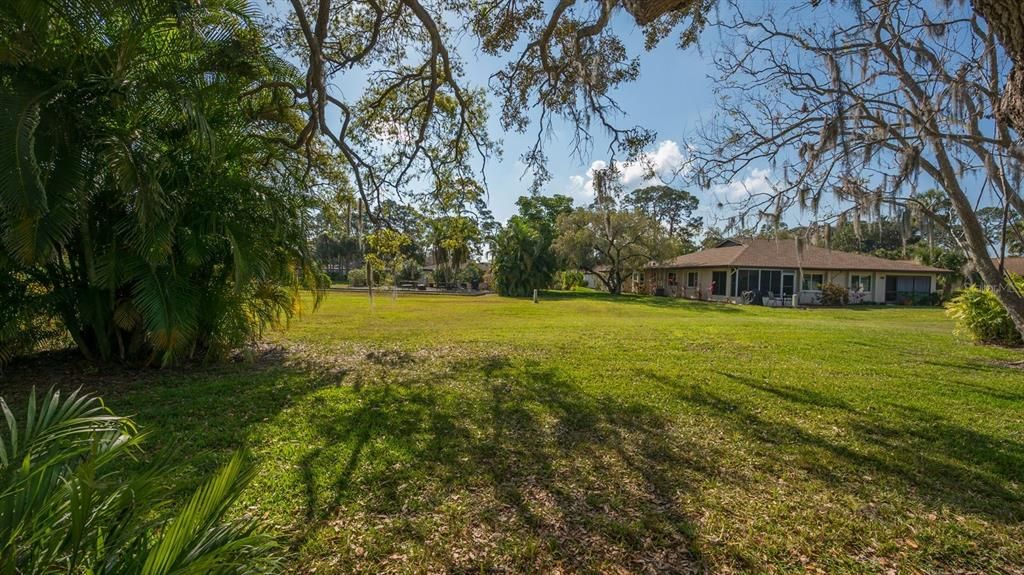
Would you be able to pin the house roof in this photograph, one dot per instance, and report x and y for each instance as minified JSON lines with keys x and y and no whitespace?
{"x":762,"y":253}
{"x":1012,"y":265}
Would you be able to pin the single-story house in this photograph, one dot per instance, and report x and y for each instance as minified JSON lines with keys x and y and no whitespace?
{"x":631,"y":282}
{"x":772,"y":271}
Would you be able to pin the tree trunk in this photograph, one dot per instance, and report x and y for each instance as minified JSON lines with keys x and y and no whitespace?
{"x":977,"y":244}
{"x":614,"y":281}
{"x":1006,"y":19}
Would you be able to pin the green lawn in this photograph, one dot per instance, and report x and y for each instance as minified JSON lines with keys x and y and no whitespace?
{"x":592,"y":434}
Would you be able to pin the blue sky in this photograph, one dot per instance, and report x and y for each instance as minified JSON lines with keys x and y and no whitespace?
{"x":672,"y":96}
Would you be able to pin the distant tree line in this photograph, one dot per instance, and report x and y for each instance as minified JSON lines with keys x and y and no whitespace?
{"x":613,"y":237}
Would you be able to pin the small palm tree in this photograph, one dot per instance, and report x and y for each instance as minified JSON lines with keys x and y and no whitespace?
{"x":148,"y":199}
{"x":67,"y":504}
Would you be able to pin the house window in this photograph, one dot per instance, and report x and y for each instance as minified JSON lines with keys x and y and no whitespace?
{"x":813,"y":282}
{"x":861,"y":283}
{"x":671,"y":278}
{"x":747,"y":280}
{"x":717,"y":283}
{"x":691,"y":279}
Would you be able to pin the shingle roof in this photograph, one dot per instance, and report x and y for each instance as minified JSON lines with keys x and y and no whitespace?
{"x":1012,"y":265}
{"x":783,"y":254}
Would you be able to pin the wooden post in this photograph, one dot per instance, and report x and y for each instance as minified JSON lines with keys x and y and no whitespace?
{"x":534,"y":296}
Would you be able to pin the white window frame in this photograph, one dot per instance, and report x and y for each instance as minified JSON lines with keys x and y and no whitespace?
{"x":804,"y":281}
{"x":692,"y":279}
{"x":860,"y":280}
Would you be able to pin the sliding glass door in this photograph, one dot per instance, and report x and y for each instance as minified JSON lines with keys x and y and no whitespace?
{"x":906,"y":290}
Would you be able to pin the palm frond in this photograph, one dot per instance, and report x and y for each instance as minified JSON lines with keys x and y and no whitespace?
{"x":67,"y":504}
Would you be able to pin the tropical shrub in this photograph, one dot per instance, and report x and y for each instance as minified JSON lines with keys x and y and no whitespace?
{"x":147,"y":192}
{"x":570,"y":279}
{"x":28,"y":320}
{"x":471,"y":274}
{"x":832,"y":294}
{"x":357,"y":277}
{"x":409,"y":271}
{"x":443,"y":277}
{"x":67,"y":504}
{"x":981,"y":317}
{"x":522,"y":259}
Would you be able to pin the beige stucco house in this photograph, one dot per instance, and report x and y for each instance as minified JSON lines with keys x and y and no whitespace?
{"x":773,"y":271}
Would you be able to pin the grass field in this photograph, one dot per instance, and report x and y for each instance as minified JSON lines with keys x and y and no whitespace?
{"x":589,"y":434}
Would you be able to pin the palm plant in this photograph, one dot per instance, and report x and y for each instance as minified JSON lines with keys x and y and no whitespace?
{"x":522,"y":259}
{"x":144,"y":179}
{"x":67,"y":505}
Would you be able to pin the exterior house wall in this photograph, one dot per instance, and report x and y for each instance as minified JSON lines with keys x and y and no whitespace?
{"x":786,"y":265}
{"x":659,"y":278}
{"x":681,"y":288}
{"x":878,"y":290}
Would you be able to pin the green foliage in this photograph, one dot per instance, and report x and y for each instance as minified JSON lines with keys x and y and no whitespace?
{"x":523,"y":258}
{"x":612,"y":243}
{"x":884,"y":238}
{"x":144,"y":189}
{"x":980,"y":316}
{"x":471,"y":274}
{"x":386,"y":251}
{"x":542,"y":211}
{"x":952,"y":260}
{"x":832,"y":294}
{"x":68,"y":505}
{"x":992,"y":218}
{"x":672,"y":208}
{"x":453,"y":239}
{"x":522,"y":261}
{"x":357,"y":277}
{"x":570,"y":279}
{"x":407,"y":272}
{"x":28,"y":319}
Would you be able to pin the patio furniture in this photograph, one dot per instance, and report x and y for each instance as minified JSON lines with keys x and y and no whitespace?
{"x":775,"y":300}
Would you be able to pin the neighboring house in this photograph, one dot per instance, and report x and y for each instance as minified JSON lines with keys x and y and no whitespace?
{"x":1013,"y":265}
{"x":631,"y":283}
{"x":775,"y":270}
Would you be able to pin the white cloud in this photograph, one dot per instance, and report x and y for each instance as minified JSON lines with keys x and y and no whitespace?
{"x":666,"y":162}
{"x":756,"y":182}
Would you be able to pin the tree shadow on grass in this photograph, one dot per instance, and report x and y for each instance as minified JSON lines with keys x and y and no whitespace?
{"x":515,"y":469}
{"x":928,"y":457}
